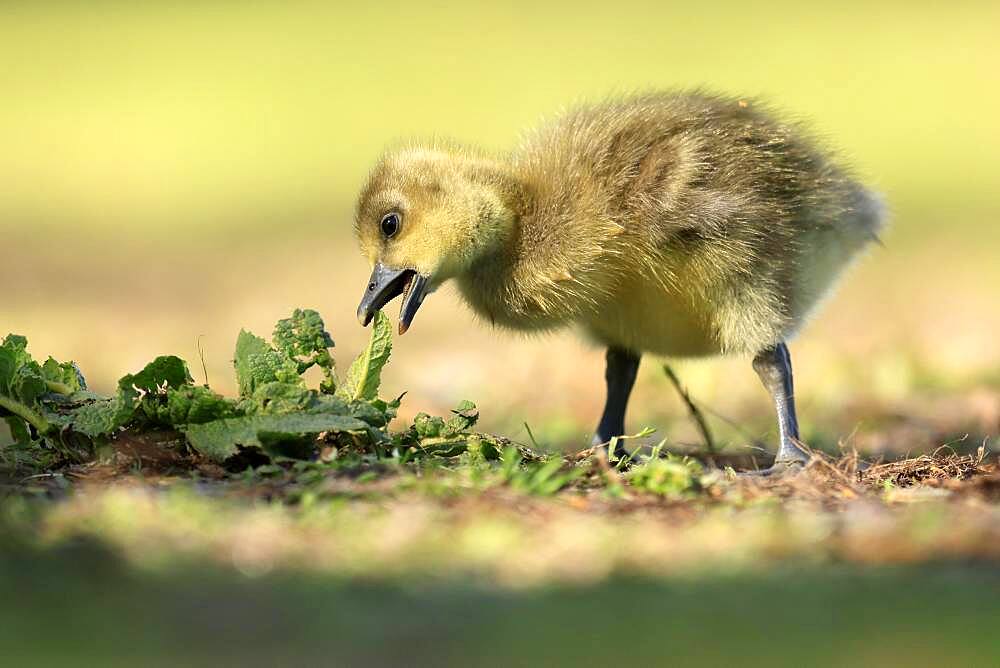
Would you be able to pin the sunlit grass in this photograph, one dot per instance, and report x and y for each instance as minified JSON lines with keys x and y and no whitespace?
{"x":515,"y":526}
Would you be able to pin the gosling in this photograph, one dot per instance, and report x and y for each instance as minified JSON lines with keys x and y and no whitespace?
{"x":676,"y":224}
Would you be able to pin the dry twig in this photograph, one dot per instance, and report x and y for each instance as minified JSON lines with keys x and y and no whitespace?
{"x":693,"y":410}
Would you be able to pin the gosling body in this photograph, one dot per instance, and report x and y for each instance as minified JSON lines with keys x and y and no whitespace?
{"x":678,"y":224}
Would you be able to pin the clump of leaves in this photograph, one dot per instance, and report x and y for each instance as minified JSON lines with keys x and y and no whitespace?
{"x":278,"y":414}
{"x":299,"y":343}
{"x":47,"y":406}
{"x":29,"y":392}
{"x":275,"y":416}
{"x":432,"y":435}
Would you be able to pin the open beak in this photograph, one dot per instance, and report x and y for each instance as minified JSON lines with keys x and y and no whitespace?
{"x":385,"y":285}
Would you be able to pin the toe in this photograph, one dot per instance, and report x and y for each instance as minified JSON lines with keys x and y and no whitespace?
{"x":779,"y":468}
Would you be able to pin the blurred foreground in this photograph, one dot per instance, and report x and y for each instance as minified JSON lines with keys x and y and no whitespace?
{"x":457,"y":563}
{"x":87,"y":605}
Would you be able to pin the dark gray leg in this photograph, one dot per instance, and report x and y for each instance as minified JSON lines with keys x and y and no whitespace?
{"x":774,"y":366}
{"x":622,"y":367}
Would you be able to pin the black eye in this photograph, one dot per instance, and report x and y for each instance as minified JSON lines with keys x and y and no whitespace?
{"x":389,"y":224}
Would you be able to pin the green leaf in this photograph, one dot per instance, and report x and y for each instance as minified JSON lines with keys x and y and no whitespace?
{"x":376,"y":413}
{"x":144,"y":394}
{"x":275,"y":397}
{"x":466,"y":415}
{"x":257,"y":363}
{"x":388,"y":409}
{"x":428,"y":426}
{"x":166,"y":371}
{"x":13,"y":355}
{"x":22,"y":385}
{"x":365,"y":373}
{"x":7,"y":366}
{"x":149,"y":389}
{"x":483,"y":447}
{"x":103,"y":417}
{"x":247,"y":346}
{"x":21,"y":378}
{"x":64,"y":377}
{"x":278,"y":397}
{"x":218,"y":440}
{"x":304,"y":339}
{"x":28,"y":384}
{"x":193,"y":404}
{"x":19,"y":431}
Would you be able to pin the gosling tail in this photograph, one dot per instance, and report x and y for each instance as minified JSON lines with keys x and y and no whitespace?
{"x":829,"y":251}
{"x":867,"y":215}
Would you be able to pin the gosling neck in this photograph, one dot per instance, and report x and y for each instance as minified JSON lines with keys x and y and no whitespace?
{"x":495,"y":281}
{"x":500,"y":200}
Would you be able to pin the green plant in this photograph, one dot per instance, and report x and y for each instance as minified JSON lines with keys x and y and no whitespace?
{"x":542,"y":478}
{"x":48,"y":407}
{"x":619,"y":455}
{"x":669,"y":476}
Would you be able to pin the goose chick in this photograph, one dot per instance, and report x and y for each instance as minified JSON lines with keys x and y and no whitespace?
{"x":677,"y":224}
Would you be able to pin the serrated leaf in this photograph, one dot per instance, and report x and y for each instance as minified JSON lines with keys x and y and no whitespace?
{"x":103,"y":417}
{"x":194,"y":404}
{"x":303,"y":337}
{"x":365,"y":373}
{"x":218,"y":440}
{"x":272,"y":398}
{"x":247,"y":344}
{"x":257,"y":363}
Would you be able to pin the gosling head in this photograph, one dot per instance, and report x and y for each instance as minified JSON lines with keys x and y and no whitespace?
{"x":425,"y":216}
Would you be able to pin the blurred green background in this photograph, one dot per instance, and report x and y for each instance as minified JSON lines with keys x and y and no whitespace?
{"x":173,"y":171}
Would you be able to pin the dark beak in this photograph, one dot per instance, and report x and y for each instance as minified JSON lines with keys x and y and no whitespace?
{"x":386,"y":284}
